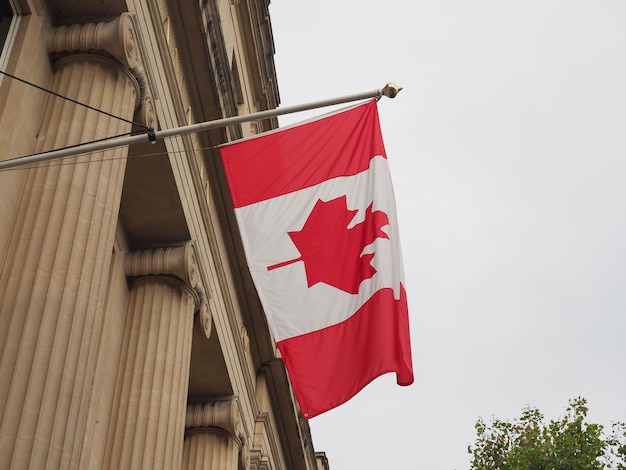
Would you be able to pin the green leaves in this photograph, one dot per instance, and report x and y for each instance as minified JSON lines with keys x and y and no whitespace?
{"x":568,"y":443}
{"x":616,"y":447}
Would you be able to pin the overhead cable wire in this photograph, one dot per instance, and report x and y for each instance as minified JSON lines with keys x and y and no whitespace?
{"x":76,"y":145}
{"x":143,"y":126}
{"x":76,"y":159}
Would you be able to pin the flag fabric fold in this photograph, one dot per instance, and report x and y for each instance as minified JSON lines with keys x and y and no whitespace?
{"x":316,"y":211}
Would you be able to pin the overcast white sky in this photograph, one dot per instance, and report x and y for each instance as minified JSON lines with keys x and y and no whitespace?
{"x":508,"y":153}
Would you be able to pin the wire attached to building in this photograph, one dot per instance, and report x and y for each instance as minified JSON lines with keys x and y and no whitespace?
{"x":78,"y":161}
{"x":147,"y":128}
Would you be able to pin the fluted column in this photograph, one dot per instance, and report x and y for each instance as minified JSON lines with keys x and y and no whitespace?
{"x":147,"y":426}
{"x":214,"y":438}
{"x":54,"y":280}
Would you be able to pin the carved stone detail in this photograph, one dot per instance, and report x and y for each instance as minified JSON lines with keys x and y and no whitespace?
{"x":259,"y":460}
{"x":146,"y":111}
{"x":222,"y":414}
{"x":179,"y":262}
{"x":245,"y":339}
{"x":219,"y":418}
{"x":116,"y":39}
{"x":204,"y":318}
{"x":175,"y":261}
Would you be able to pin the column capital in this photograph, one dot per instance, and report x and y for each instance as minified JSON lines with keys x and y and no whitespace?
{"x":117,"y":39}
{"x":220,"y":417}
{"x":222,"y":414}
{"x":179,"y":262}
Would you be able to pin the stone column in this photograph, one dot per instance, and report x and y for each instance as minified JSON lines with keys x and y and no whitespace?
{"x":148,"y":422}
{"x":215,"y":439}
{"x":54,"y":280}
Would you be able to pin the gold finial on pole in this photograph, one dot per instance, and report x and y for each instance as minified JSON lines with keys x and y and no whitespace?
{"x":391,"y":90}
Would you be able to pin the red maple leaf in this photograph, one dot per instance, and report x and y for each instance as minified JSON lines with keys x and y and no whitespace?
{"x":332,"y":252}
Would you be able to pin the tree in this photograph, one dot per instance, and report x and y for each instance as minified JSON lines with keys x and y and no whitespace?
{"x":569,"y":443}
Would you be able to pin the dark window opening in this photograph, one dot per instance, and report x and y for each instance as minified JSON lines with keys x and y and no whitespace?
{"x":6,"y":15}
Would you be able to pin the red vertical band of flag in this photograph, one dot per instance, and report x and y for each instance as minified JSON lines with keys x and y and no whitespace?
{"x":330,"y":366}
{"x":302,"y":156}
{"x":316,"y":213}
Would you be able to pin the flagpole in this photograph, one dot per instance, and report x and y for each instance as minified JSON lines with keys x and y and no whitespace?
{"x":390,"y":90}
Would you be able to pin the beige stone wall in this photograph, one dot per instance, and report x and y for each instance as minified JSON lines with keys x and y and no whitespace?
{"x":21,"y":113}
{"x":130,"y":333}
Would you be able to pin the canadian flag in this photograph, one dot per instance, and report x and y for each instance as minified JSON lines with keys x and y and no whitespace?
{"x":316,"y":212}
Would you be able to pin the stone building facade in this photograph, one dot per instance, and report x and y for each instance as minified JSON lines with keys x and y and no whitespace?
{"x":131,"y":336}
